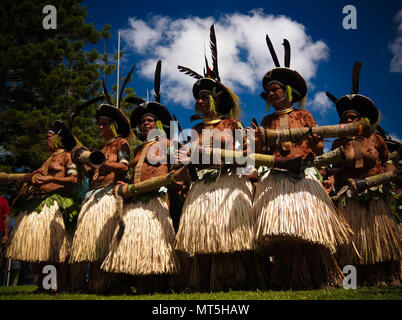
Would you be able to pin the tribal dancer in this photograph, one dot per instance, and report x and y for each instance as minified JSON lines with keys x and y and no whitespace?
{"x":217,"y":221}
{"x":297,"y":223}
{"x":143,"y":243}
{"x":97,"y":219}
{"x":377,"y":234}
{"x":43,"y":230}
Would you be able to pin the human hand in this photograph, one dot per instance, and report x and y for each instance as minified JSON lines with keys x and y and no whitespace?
{"x":314,"y":139}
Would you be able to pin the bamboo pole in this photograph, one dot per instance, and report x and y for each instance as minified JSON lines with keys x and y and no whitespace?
{"x":153,"y":184}
{"x":357,"y":186}
{"x":360,"y":128}
{"x":14,"y":177}
{"x":258,"y":159}
{"x":335,"y":156}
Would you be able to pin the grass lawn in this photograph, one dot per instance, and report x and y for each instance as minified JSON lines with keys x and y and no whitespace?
{"x":364,"y":293}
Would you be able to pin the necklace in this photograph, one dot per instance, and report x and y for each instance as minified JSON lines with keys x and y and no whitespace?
{"x":287,"y":110}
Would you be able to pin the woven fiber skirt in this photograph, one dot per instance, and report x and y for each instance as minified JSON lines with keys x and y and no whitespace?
{"x":39,"y":237}
{"x":289,"y":210}
{"x":217,"y":217}
{"x":143,"y":243}
{"x":377,"y":235}
{"x":95,"y":227}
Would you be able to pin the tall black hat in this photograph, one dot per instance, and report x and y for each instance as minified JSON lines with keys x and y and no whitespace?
{"x":211,"y":80}
{"x":354,"y":101}
{"x":109,"y":111}
{"x":284,"y":75}
{"x":66,"y":137}
{"x":155,"y":108}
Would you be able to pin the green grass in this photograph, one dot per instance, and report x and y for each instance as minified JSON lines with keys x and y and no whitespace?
{"x":364,"y":293}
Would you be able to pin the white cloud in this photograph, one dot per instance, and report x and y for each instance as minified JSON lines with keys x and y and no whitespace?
{"x":320,"y":103}
{"x":243,"y":55}
{"x":396,"y":46}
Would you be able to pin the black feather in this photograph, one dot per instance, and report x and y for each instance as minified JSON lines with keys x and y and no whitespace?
{"x":264,"y":95}
{"x":189,"y":72}
{"x":128,"y":78}
{"x":272,"y":51}
{"x":286,"y":44}
{"x":82,"y":107}
{"x":214,"y":52}
{"x":355,"y":77}
{"x":207,"y":70}
{"x":105,"y":93}
{"x":135,"y":100}
{"x":331,"y":97}
{"x":254,"y":120}
{"x":157,"y":81}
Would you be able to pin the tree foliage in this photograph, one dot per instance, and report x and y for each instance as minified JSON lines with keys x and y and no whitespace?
{"x":44,"y":76}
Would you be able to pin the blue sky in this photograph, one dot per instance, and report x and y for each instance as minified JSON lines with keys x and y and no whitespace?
{"x":322,"y":50}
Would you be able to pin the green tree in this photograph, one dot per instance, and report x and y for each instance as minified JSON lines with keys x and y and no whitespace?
{"x":44,"y":76}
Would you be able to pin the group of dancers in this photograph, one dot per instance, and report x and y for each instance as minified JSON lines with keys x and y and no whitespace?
{"x":152,"y":225}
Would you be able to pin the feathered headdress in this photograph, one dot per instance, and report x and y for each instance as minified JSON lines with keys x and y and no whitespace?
{"x":355,"y":101}
{"x":211,"y":81}
{"x":284,"y":75}
{"x":160,"y":112}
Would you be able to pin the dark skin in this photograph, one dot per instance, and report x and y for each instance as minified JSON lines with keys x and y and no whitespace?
{"x":55,"y":177}
{"x":149,"y":170}
{"x":110,"y":164}
{"x":225,"y":137}
{"x":156,"y":153}
{"x":277,"y":98}
{"x":370,"y":148}
{"x":110,"y":167}
{"x":350,"y":117}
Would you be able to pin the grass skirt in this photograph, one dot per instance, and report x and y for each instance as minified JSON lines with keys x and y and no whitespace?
{"x":377,"y":235}
{"x":299,"y":210}
{"x":95,"y":227}
{"x":39,"y":237}
{"x":143,"y":244}
{"x":217,"y":217}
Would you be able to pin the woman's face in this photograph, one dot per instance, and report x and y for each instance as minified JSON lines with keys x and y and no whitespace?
{"x":350,"y":117}
{"x":203,"y":102}
{"x":49,"y":141}
{"x":275,"y":93}
{"x":147,"y":124}
{"x":104,"y":127}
